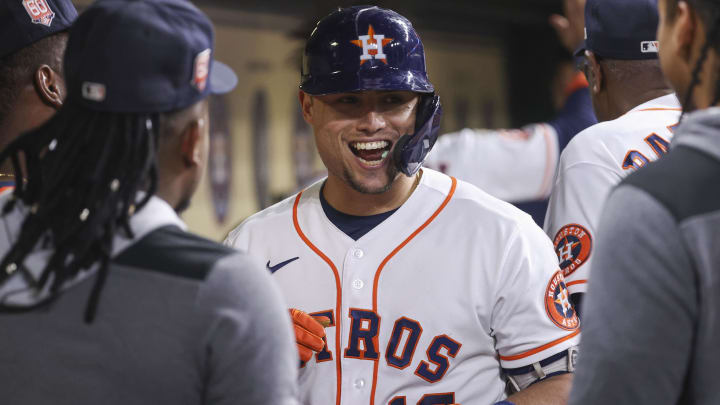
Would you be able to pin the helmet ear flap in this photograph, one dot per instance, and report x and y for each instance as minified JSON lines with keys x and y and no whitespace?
{"x":427,"y":105}
{"x":412,"y":149}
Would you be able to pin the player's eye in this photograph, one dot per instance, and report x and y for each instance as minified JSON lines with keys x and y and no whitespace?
{"x":393,"y":99}
{"x":347,"y":100}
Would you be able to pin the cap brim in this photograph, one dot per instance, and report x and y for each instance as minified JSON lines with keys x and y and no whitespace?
{"x":222,"y":78}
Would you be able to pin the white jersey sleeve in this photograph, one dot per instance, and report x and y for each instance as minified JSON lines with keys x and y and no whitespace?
{"x":531,"y":302}
{"x":574,"y":209}
{"x":238,"y":239}
{"x":512,"y":165}
{"x":592,"y":164}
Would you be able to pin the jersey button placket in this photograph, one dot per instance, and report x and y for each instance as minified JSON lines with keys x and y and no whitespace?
{"x":357,"y":269}
{"x":357,"y":283}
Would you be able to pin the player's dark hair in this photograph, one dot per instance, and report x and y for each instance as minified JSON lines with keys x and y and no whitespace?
{"x":18,"y":68}
{"x":709,"y":12}
{"x":82,"y":171}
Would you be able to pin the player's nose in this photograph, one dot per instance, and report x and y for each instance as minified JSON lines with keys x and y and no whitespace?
{"x":371,"y":122}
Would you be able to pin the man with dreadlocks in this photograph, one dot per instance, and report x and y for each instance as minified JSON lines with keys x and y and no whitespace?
{"x":637,"y":113}
{"x":652,"y":324}
{"x":34,"y":35}
{"x":104,"y":298}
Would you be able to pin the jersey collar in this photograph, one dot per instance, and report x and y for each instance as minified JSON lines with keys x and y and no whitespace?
{"x":17,"y":291}
{"x":666,"y":102}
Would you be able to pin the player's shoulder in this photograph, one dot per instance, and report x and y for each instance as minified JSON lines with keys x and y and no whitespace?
{"x":597,"y":144}
{"x":217,"y":270}
{"x":597,"y":138}
{"x":276,"y":214}
{"x":174,"y":252}
{"x":474,"y":204}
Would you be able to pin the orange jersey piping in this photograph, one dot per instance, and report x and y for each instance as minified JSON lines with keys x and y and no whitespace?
{"x":541,"y":348}
{"x":338,"y":303}
{"x":549,"y":167}
{"x":660,"y":109}
{"x":387,"y":259}
{"x":569,"y":283}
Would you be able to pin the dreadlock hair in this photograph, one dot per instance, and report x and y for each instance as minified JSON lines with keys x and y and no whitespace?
{"x":709,"y":12}
{"x":18,"y":68}
{"x":83,"y":173}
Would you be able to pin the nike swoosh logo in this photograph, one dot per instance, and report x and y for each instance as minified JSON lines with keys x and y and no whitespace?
{"x":280,"y":265}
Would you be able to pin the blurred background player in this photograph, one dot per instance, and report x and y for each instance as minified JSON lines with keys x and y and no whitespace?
{"x":437,"y":292}
{"x":651,"y":323}
{"x":104,"y":298}
{"x":638,"y":113}
{"x":34,"y":36}
{"x":519,"y":165}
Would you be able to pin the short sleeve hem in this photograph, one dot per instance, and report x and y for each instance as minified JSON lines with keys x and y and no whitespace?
{"x":540,"y":353}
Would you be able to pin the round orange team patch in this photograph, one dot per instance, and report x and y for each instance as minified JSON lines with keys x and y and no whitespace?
{"x":573,"y":244}
{"x":557,"y":303}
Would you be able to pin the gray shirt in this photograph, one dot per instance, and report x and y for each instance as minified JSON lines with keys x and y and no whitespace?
{"x":651,"y":329}
{"x":181,"y":320}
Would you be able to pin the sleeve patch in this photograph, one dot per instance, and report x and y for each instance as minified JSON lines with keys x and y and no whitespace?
{"x":573,"y":245}
{"x":557,"y":303}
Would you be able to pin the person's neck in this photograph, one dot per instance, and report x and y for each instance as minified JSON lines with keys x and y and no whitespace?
{"x":626,"y":99}
{"x":170,"y":189}
{"x":346,"y":199}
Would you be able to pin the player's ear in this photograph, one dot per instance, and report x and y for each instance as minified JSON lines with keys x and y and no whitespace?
{"x":306,"y":103}
{"x":49,"y":86}
{"x":684,"y":33}
{"x":191,"y":143}
{"x":595,"y":74}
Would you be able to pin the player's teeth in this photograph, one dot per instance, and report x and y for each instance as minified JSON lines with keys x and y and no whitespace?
{"x":370,"y":145}
{"x":384,"y":154}
{"x":371,"y":163}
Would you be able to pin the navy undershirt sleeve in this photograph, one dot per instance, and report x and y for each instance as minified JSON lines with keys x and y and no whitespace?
{"x":576,"y":115}
{"x":353,"y":226}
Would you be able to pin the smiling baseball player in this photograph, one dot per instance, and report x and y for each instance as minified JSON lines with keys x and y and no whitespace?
{"x":436,"y":291}
{"x":638,"y":113}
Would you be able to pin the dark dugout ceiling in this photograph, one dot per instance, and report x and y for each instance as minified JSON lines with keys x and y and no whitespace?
{"x":474,"y":17}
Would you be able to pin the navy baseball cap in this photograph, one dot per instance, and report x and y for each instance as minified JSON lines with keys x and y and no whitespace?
{"x":135,"y":56}
{"x":23,"y":22}
{"x":621,"y":29}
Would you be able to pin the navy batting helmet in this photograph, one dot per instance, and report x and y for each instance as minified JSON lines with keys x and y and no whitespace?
{"x":369,"y":48}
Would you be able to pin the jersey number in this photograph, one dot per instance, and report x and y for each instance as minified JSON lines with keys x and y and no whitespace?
{"x":447,"y":398}
{"x":635,"y":159}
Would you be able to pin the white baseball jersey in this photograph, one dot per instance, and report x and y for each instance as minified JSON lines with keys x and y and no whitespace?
{"x":428,"y":306}
{"x":593,"y":162}
{"x":512,"y":165}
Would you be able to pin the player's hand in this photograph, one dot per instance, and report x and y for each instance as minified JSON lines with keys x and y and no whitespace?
{"x":309,"y":332}
{"x":570,"y":27}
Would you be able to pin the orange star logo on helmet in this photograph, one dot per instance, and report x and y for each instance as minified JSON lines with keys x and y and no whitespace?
{"x":372,"y":45}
